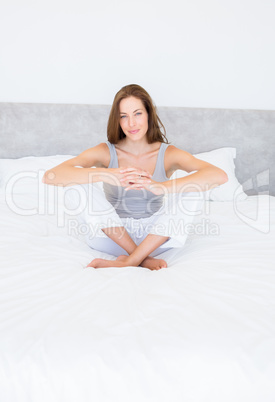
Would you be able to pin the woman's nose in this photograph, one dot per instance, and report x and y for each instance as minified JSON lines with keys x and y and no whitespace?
{"x":132,"y":121}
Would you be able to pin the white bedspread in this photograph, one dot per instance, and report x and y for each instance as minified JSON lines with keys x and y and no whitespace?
{"x":201,"y":330}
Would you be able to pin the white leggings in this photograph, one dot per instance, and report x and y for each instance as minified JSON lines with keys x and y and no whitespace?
{"x":174,"y":219}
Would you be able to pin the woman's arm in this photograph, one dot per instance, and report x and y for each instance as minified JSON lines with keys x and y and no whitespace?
{"x":79,"y":170}
{"x":205,"y":176}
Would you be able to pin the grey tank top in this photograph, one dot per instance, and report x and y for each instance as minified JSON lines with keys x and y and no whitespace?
{"x":135,"y":203}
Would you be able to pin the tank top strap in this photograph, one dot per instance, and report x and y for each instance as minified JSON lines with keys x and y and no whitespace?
{"x":159,"y":173}
{"x":113,"y":161}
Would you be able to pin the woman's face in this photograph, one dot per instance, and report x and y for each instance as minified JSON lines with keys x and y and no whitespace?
{"x":133,"y":118}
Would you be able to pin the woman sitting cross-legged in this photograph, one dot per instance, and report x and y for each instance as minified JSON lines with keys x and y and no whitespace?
{"x":134,"y":219}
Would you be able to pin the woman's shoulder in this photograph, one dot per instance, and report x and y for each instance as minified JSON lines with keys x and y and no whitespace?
{"x":103,"y":153}
{"x":98,"y":156}
{"x":174,"y":157}
{"x":101,"y":148}
{"x":172,"y":150}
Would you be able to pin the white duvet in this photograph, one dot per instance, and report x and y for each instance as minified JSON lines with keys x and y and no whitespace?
{"x":201,"y":330}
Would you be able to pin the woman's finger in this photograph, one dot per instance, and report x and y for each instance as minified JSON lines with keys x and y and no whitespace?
{"x":136,"y":175}
{"x":136,"y":171}
{"x":135,"y":179}
{"x":134,"y":187}
{"x":129,"y":169}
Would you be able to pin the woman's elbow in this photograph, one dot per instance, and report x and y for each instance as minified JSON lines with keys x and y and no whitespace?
{"x":48,"y":177}
{"x":223,"y":178}
{"x":44,"y":178}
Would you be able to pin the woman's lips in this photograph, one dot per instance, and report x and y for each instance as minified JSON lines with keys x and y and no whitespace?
{"x":134,"y":131}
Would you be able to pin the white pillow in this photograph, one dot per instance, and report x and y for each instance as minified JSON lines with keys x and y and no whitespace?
{"x":224,"y":159}
{"x":24,"y":175}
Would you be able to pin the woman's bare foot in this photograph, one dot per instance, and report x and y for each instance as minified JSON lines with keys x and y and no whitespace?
{"x":153,"y":263}
{"x":122,"y":261}
{"x":148,"y":262}
{"x":102,"y":263}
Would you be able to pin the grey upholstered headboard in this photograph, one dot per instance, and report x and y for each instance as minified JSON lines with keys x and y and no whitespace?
{"x":49,"y":129}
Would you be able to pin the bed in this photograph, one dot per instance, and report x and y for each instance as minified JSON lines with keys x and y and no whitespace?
{"x":201,"y":330}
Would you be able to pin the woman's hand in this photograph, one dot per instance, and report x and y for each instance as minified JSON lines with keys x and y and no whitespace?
{"x":113,"y":176}
{"x":138,"y":179}
{"x":133,"y":178}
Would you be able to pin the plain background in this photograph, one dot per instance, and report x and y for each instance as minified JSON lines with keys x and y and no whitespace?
{"x":214,"y":53}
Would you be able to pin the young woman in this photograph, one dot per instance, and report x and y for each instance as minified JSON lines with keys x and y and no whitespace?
{"x":135,"y":165}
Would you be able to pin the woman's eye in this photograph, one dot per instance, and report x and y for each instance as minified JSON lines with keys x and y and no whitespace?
{"x":137,"y":114}
{"x":122,"y":117}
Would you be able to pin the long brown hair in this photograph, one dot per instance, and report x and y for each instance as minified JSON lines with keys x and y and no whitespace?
{"x":154,"y":133}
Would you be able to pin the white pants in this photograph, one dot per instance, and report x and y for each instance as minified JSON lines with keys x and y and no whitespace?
{"x":174,"y":219}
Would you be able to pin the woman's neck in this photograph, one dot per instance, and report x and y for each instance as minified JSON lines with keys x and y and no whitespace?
{"x":137,"y":147}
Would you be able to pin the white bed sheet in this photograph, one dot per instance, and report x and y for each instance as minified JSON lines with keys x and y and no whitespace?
{"x":202,"y":330}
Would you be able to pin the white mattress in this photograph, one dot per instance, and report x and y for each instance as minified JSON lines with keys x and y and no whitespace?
{"x":201,"y":330}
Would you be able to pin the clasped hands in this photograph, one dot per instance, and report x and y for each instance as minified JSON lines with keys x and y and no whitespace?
{"x":137,"y":179}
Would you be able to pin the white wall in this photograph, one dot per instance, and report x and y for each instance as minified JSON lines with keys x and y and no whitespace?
{"x":192,"y":53}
